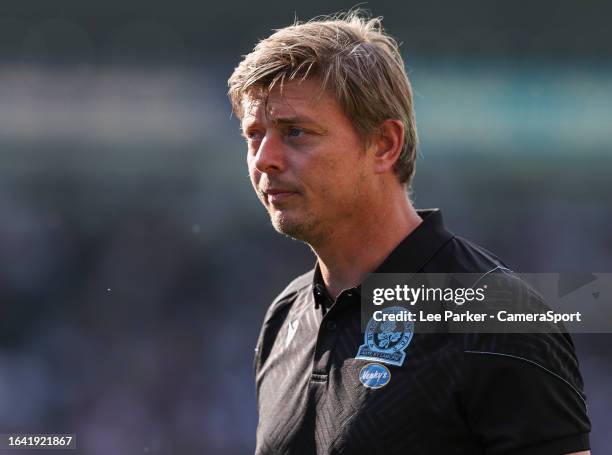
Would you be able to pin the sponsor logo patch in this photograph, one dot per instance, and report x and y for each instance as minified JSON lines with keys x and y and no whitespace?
{"x":374,"y":376}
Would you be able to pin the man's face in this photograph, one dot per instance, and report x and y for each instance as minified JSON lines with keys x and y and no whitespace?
{"x":306,"y":161}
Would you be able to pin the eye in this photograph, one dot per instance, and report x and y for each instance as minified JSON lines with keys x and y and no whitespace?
{"x":294,"y":132}
{"x":252,"y":135}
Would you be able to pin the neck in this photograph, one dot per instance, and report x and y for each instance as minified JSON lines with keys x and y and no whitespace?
{"x":355,"y":249}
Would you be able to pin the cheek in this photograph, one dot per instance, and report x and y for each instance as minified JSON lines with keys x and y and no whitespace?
{"x":329,"y":172}
{"x":254,"y":174}
{"x":342,"y":178}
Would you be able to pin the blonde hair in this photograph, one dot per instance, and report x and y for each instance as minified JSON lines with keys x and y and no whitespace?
{"x":354,"y":59}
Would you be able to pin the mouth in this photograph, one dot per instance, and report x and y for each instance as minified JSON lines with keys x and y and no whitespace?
{"x":275,"y":196}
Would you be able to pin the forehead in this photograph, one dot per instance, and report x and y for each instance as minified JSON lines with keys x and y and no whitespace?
{"x":294,"y":99}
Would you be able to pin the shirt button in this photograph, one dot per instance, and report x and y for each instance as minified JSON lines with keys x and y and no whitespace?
{"x":331,"y":325}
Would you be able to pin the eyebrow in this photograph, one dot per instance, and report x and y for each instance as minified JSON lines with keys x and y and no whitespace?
{"x":292,"y":120}
{"x":280,"y":121}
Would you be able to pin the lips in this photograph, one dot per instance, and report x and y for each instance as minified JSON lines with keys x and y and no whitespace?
{"x":275,"y":195}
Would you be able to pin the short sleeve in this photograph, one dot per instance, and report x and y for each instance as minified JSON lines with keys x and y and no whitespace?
{"x":523,"y":395}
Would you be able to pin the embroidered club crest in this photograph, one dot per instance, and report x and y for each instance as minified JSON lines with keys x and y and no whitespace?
{"x":385,"y":341}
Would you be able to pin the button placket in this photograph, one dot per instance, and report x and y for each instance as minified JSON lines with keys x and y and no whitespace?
{"x":328,"y":332}
{"x":326,"y":342}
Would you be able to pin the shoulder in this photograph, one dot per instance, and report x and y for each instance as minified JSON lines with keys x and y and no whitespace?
{"x":535,"y":373}
{"x":542,"y":346}
{"x":545,"y":351}
{"x":460,"y":255}
{"x":277,"y":313}
{"x":287,"y":296}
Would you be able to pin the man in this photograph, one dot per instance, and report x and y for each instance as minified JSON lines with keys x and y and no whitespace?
{"x":326,"y":110}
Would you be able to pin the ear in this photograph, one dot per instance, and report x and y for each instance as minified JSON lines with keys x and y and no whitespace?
{"x":386,"y":145}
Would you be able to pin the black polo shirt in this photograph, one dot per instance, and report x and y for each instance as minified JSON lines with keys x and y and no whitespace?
{"x":453,"y":394}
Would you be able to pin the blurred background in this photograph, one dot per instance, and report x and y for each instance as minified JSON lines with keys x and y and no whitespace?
{"x":135,"y":262}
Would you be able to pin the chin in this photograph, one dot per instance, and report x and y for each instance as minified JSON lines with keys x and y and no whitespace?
{"x":295,"y":228}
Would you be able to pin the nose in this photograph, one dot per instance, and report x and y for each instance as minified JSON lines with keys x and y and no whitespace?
{"x":270,"y":156}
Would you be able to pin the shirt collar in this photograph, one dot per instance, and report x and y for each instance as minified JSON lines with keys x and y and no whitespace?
{"x":418,"y":247}
{"x":409,"y":256}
